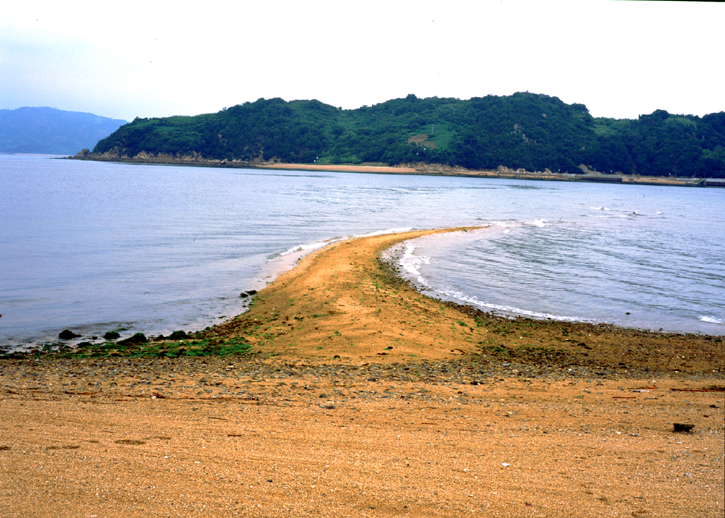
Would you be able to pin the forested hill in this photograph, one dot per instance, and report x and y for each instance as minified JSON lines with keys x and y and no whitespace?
{"x":530,"y":131}
{"x":52,"y":131}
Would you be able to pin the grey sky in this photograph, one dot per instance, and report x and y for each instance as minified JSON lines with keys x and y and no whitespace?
{"x":154,"y":59}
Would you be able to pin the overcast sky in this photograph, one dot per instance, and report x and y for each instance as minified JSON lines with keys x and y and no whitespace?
{"x":154,"y":59}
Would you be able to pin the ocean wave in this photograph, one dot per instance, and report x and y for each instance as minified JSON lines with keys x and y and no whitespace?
{"x":309,"y":247}
{"x":411,"y":263}
{"x":539,"y":222}
{"x":504,"y":224}
{"x":711,"y":320}
{"x":507,"y":310}
{"x":388,"y":231}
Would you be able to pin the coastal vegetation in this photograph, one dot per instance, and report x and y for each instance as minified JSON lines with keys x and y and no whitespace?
{"x":523,"y":130}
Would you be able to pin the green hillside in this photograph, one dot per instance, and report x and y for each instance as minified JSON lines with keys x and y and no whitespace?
{"x":524,"y":130}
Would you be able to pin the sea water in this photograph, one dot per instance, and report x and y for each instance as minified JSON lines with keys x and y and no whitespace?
{"x":94,"y":246}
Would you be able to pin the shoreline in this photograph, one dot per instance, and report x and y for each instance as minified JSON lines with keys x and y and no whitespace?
{"x":328,"y":314}
{"x":309,"y":306}
{"x":404,"y":169}
{"x":52,"y":344}
{"x":352,"y":394}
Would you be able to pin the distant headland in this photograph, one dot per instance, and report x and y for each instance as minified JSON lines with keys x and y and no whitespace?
{"x":522,"y":135}
{"x":50,"y":131}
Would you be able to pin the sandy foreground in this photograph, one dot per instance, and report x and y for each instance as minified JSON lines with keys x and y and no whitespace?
{"x":361,"y":397}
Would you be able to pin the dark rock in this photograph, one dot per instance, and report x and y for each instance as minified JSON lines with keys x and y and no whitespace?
{"x":178,"y":335}
{"x":15,"y":355}
{"x":138,"y":338}
{"x":67,"y":334}
{"x":247,"y":293}
{"x":683,"y":428}
{"x":112,"y":335}
{"x":84,"y":344}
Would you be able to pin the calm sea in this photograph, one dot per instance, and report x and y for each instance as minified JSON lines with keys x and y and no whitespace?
{"x":95,"y":246}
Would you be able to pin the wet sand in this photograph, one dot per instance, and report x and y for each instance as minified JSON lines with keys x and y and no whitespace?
{"x":361,"y":397}
{"x":342,"y":168}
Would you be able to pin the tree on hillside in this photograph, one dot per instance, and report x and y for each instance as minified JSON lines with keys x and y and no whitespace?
{"x":523,"y":130}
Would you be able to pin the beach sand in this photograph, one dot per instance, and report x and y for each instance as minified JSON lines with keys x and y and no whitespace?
{"x":341,"y":168}
{"x":362,"y":397}
{"x":421,"y":168}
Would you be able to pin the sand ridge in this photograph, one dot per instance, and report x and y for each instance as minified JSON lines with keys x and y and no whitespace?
{"x":342,"y":303}
{"x":339,"y":302}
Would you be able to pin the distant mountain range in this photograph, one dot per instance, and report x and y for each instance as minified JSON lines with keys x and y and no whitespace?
{"x":52,"y":131}
{"x":524,"y":130}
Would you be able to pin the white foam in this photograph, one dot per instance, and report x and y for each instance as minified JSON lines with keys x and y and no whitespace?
{"x":306,"y":247}
{"x":411,"y":263}
{"x":507,"y":309}
{"x":388,"y":231}
{"x":539,"y":223}
{"x":309,"y":247}
{"x":504,"y":224}
{"x":712,"y":320}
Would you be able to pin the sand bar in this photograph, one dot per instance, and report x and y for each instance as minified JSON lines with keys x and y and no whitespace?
{"x":341,"y":168}
{"x":386,"y":403}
